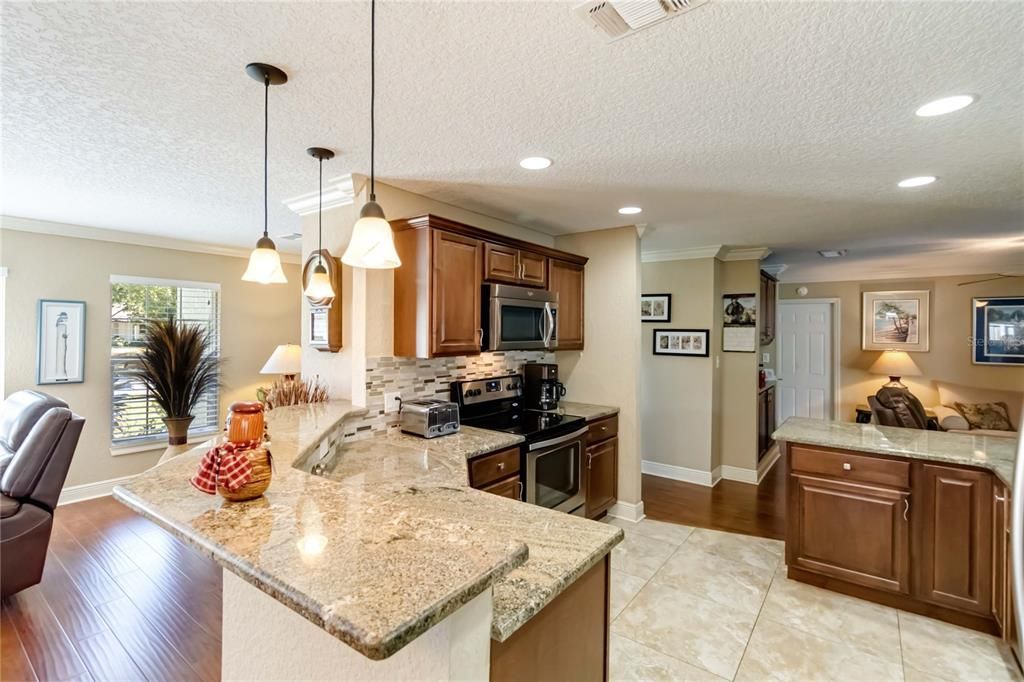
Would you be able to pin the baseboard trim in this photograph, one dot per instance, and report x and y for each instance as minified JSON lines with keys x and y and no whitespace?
{"x":90,"y":491}
{"x":677,"y":473}
{"x":627,"y":511}
{"x":774,"y":455}
{"x":741,"y":474}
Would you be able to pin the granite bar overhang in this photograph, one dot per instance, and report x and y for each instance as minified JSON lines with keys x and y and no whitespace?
{"x":386,"y":539}
{"x":995,"y":454}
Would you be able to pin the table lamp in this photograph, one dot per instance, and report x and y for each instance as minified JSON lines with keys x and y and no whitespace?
{"x":895,"y":364}
{"x":286,"y":359}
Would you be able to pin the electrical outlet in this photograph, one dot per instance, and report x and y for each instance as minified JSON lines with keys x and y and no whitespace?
{"x":392,"y":402}
{"x":766,"y":358}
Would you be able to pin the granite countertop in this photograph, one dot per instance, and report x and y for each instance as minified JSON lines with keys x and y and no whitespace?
{"x":587,"y":411}
{"x":376,"y":540}
{"x":996,"y":454}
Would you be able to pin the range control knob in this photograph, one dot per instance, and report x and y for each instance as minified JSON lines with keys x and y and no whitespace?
{"x":512,"y":387}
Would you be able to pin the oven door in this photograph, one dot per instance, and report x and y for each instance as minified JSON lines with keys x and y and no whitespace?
{"x":554,"y":471}
{"x":519,"y":324}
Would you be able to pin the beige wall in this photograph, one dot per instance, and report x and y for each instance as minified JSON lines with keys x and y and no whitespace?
{"x":254,"y":320}
{"x":949,"y":357}
{"x":677,"y":393}
{"x":608,"y":371}
{"x":739,"y":376}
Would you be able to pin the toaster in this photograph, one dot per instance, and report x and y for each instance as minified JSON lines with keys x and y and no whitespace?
{"x":429,"y":418}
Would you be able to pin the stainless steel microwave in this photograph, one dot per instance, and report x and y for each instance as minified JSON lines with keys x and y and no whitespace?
{"x":519,"y":318}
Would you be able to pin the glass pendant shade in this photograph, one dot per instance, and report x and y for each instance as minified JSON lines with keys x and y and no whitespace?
{"x":319,"y":287}
{"x":372,"y":245}
{"x":265,"y":264}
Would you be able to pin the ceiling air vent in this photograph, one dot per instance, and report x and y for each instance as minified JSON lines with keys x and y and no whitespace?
{"x":619,"y":18}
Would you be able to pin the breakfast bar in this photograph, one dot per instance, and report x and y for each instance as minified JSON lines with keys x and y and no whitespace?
{"x":374,"y":558}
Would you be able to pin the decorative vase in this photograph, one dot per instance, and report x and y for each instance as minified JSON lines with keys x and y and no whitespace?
{"x":177,"y":429}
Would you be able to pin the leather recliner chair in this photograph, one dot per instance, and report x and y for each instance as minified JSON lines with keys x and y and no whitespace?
{"x":38,"y":436}
{"x":898,"y":407}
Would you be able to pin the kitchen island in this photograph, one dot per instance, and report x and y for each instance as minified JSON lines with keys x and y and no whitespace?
{"x":378,"y":544}
{"x":914,"y":519}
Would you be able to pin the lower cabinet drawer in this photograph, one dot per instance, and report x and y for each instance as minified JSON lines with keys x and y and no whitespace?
{"x":603,"y":429}
{"x":490,"y":468}
{"x":511,"y":488}
{"x":846,"y":466}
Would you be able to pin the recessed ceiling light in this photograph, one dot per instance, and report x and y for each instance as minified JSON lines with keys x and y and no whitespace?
{"x":630,"y":210}
{"x":946,"y":105}
{"x":291,"y":236}
{"x":919,"y":181}
{"x":535,"y":162}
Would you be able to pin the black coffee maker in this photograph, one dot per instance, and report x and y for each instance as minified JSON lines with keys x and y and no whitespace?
{"x":543,"y":389}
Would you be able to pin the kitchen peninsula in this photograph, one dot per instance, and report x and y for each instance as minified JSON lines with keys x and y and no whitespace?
{"x":381,"y":543}
{"x":914,"y":519}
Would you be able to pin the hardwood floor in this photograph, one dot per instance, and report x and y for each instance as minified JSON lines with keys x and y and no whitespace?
{"x":731,"y":506}
{"x":120,"y":599}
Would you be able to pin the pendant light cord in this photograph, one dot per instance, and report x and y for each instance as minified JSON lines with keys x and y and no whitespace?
{"x":266,"y":137}
{"x":320,"y":216}
{"x":373,"y":90}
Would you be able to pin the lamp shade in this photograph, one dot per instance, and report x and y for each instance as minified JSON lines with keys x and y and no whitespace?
{"x":895,"y":363}
{"x":372,"y":245}
{"x":265,"y":266}
{"x":319,"y":287}
{"x":286,"y":359}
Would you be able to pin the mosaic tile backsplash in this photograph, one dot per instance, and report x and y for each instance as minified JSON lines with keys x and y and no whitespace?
{"x":429,"y":378}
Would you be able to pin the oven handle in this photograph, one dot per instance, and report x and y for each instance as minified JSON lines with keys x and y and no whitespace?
{"x":549,"y":330}
{"x":557,"y":441}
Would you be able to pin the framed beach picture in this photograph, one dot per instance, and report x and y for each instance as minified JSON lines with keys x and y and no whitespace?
{"x":656,"y":308}
{"x":998,"y":331}
{"x":60,"y":350}
{"x":895,"y":320}
{"x":693,"y":342}
{"x":739,"y":323}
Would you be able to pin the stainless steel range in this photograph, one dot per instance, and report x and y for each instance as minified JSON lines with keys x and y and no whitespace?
{"x":552,"y":456}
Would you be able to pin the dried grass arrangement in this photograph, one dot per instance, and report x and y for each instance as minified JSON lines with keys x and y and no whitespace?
{"x":284,"y":392}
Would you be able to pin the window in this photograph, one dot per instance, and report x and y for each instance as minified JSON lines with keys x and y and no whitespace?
{"x":135,"y":416}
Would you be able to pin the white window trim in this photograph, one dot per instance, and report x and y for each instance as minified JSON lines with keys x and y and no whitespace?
{"x":158,"y":443}
{"x":161,"y":282}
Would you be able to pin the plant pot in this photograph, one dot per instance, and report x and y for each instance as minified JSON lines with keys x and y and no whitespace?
{"x":177,"y":429}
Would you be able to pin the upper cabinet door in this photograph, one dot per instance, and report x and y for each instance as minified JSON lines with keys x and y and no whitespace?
{"x":455,"y":294}
{"x":566,"y":279}
{"x":501,"y":264}
{"x":533,"y":269}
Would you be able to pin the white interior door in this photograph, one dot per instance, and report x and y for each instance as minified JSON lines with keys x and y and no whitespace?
{"x":804,"y":350}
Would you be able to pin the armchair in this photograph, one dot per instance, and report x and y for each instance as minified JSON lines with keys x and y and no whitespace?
{"x":38,"y":436}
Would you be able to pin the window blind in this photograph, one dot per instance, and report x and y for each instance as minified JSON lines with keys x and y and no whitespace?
{"x":135,"y":416}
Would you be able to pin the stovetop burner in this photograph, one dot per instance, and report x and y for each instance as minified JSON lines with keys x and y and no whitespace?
{"x":531,"y":424}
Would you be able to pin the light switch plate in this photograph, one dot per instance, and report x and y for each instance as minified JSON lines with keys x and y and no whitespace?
{"x":392,"y":402}
{"x":766,"y":358}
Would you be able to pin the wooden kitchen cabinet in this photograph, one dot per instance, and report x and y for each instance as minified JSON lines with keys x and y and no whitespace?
{"x":769,"y":294}
{"x":438,"y":309}
{"x":856,"y":532}
{"x":953,"y":532}
{"x":508,"y":265}
{"x":601,"y":466}
{"x":566,"y":279}
{"x":1000,"y":554}
{"x":765,"y":421}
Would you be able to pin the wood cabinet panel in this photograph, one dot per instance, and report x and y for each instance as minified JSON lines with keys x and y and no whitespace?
{"x":765,"y":421}
{"x":511,"y":488}
{"x":501,"y":263}
{"x":849,"y":466}
{"x":534,"y":269}
{"x":851,"y":531}
{"x":953,"y":530}
{"x":566,"y":279}
{"x":489,"y":468}
{"x":1000,"y":554}
{"x":769,"y":287}
{"x":602,"y":475}
{"x":603,"y":429}
{"x":455,"y":294}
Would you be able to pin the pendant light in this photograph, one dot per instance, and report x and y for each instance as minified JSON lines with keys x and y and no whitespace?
{"x":372,"y":245}
{"x":265,"y":261}
{"x":319,"y":287}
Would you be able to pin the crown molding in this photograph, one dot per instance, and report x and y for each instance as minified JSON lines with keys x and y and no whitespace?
{"x":134,"y":238}
{"x":775,"y":269}
{"x":339,"y":191}
{"x":691,"y":253}
{"x":751,"y":253}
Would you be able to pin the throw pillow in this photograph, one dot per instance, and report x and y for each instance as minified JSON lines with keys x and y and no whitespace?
{"x":989,"y":416}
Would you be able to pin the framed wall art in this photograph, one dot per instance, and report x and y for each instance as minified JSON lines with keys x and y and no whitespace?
{"x":895,"y":320}
{"x":680,"y":342}
{"x":998,"y":331}
{"x":739,"y":323}
{"x":656,"y":308}
{"x":60,"y":350}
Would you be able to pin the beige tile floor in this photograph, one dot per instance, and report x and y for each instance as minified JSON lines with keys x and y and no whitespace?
{"x":696,"y":604}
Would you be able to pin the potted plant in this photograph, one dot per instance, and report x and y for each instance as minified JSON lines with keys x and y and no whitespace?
{"x":177,"y":366}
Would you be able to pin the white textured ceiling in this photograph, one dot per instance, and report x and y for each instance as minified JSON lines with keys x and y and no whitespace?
{"x":740,"y":123}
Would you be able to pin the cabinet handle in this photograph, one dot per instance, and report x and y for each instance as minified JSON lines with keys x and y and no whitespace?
{"x":906,"y":508}
{"x":519,"y":495}
{"x":1000,"y":498}
{"x":501,"y":466}
{"x":847,"y":466}
{"x":590,"y":458}
{"x":480,"y":337}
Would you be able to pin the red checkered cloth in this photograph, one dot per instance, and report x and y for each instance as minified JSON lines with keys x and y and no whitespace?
{"x":226,"y":465}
